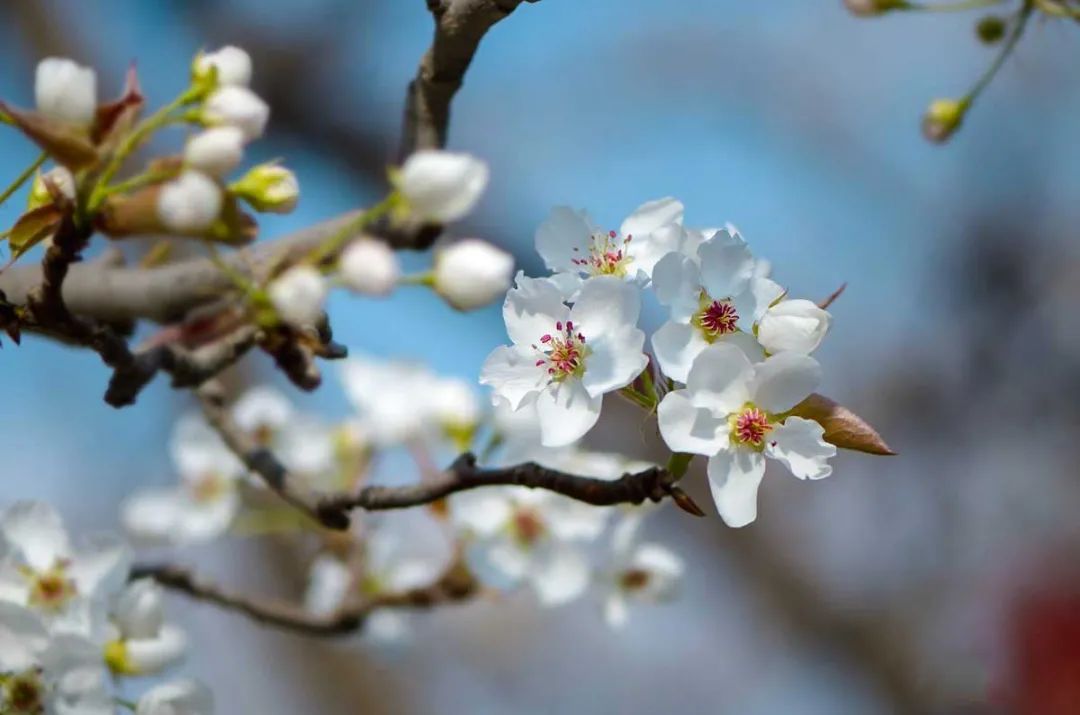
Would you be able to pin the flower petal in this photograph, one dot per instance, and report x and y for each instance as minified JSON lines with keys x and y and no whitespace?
{"x":720,"y":378}
{"x":651,"y":215}
{"x":559,"y":575}
{"x":794,"y":325}
{"x":726,"y":265}
{"x":784,"y":380}
{"x":562,"y":237}
{"x":614,"y":360}
{"x":645,"y":250}
{"x":734,"y":476}
{"x":676,"y":346}
{"x":512,"y":373}
{"x":800,"y":445}
{"x":36,"y":531}
{"x":566,"y":412}
{"x":605,"y":304}
{"x":532,"y":308}
{"x":677,"y":285}
{"x":688,"y":428}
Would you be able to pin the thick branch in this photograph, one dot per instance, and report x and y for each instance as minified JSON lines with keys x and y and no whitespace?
{"x":459,"y":27}
{"x":455,"y":584}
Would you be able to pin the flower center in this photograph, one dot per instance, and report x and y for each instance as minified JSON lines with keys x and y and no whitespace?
{"x":716,"y":318}
{"x":50,"y":590}
{"x":608,"y":256}
{"x":208,"y":488}
{"x":23,"y":693}
{"x":527,"y":526}
{"x":562,"y":353}
{"x":264,"y":434}
{"x":749,"y":426}
{"x":634,"y":579}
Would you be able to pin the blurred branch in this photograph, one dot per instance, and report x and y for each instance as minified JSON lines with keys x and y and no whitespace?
{"x":455,"y":584}
{"x":459,"y":27}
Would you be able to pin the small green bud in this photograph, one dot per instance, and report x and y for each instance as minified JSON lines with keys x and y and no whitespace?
{"x":943,"y":118}
{"x":990,"y":29}
{"x":268,"y":188}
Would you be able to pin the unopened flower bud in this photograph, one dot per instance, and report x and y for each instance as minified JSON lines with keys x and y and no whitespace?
{"x":793,"y":325}
{"x":298,"y":295}
{"x":441,"y":186}
{"x":871,"y":8}
{"x":215,"y":151}
{"x":238,"y":107}
{"x":943,"y":117}
{"x":190,"y":204}
{"x":472,"y":273}
{"x":233,"y":66}
{"x":269,"y":188}
{"x":65,"y":90}
{"x":61,"y":179}
{"x":990,"y":29}
{"x":139,"y":611}
{"x":369,"y":267}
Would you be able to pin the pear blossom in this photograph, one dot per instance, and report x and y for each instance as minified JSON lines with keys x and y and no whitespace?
{"x":563,"y":359}
{"x":215,"y":151}
{"x":715,"y":295}
{"x":523,"y":536}
{"x":237,"y":106}
{"x":306,"y":448}
{"x":269,"y":188}
{"x":298,"y":295}
{"x":369,"y":267}
{"x":734,"y":412}
{"x":441,"y":186}
{"x":263,"y":412}
{"x":189,"y":204}
{"x":233,"y":65}
{"x":40,"y":569}
{"x":795,"y":325}
{"x":389,"y":396}
{"x":570,"y":243}
{"x":178,"y":697}
{"x":641,"y":572}
{"x":65,"y":90}
{"x":330,"y":580}
{"x":472,"y":273}
{"x":204,"y":503}
{"x":140,"y":642}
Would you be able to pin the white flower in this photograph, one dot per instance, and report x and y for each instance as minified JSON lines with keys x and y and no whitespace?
{"x":795,"y":325}
{"x":190,"y":204}
{"x":329,"y":581}
{"x":65,"y":90}
{"x":42,"y":571}
{"x":298,"y":295}
{"x":529,"y":536}
{"x":714,"y":296}
{"x":238,"y":107}
{"x":454,"y":404}
{"x":203,"y":505}
{"x":441,"y":186}
{"x":57,"y":674}
{"x":390,"y":396}
{"x":233,"y":65}
{"x":472,"y":273}
{"x":563,"y":358}
{"x":569,"y":242}
{"x":308,"y":448}
{"x":141,"y":642}
{"x":215,"y":151}
{"x":178,"y":697}
{"x":369,"y":267}
{"x":263,"y":412}
{"x":733,"y":412}
{"x":645,"y":572}
{"x":269,"y":188}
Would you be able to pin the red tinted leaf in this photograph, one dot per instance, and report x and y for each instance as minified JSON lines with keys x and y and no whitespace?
{"x":843,"y":427}
{"x":65,"y":143}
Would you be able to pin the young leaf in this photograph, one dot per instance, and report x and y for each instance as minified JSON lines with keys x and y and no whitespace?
{"x":843,"y":427}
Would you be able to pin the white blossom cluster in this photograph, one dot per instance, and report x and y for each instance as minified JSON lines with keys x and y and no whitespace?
{"x":731,"y":361}
{"x":72,"y":625}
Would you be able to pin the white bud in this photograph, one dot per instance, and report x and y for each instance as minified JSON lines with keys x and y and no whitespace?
{"x":190,"y":204}
{"x":472,"y":273}
{"x":369,"y":267}
{"x":65,"y":90}
{"x":442,"y":186}
{"x":298,"y":295}
{"x":454,"y":403}
{"x":268,"y":188}
{"x":793,"y":325}
{"x":232,"y":63}
{"x":140,"y":609}
{"x":238,"y":107}
{"x":215,"y":151}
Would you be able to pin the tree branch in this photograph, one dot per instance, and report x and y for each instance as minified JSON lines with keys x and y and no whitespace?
{"x":455,"y":584}
{"x":459,"y":27}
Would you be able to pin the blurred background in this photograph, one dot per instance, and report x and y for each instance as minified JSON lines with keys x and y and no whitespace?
{"x":943,"y":580}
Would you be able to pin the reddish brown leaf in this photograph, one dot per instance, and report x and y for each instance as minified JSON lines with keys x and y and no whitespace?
{"x":67,"y":144}
{"x":116,"y":117}
{"x":684,"y":502}
{"x":134,"y":214}
{"x":843,"y":427}
{"x":832,"y":297}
